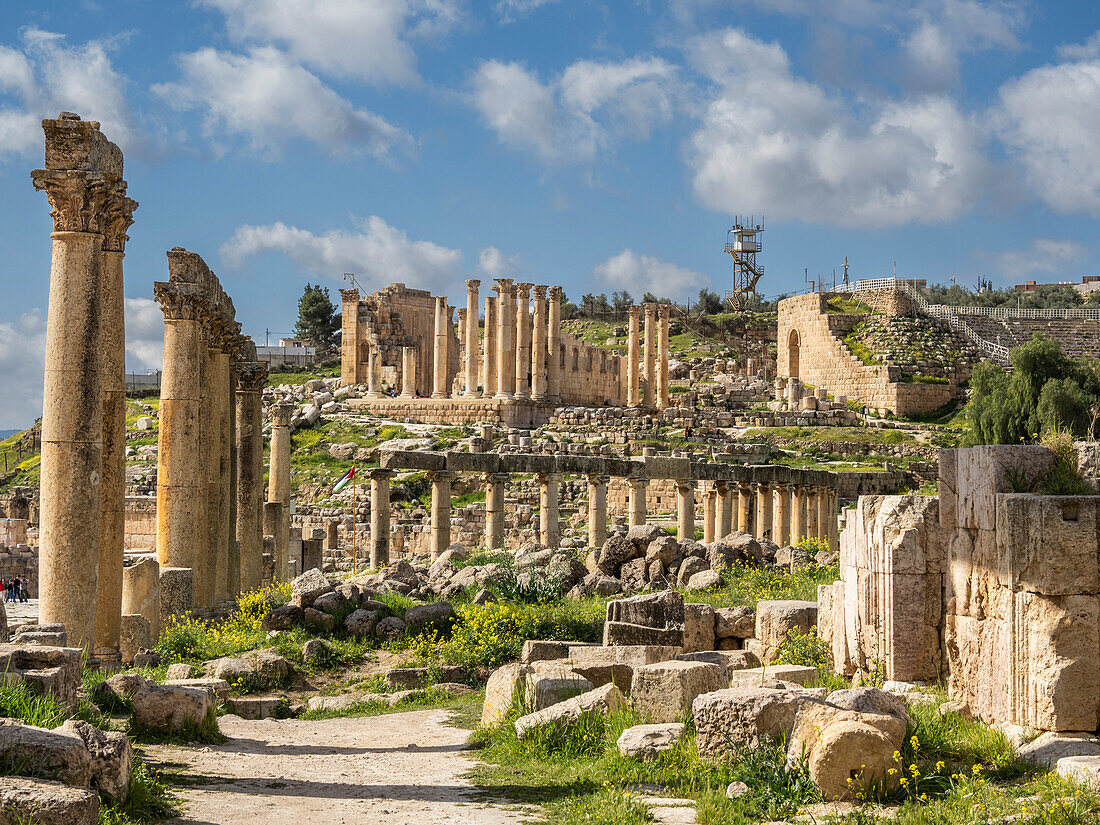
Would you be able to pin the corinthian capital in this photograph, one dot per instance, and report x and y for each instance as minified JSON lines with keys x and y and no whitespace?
{"x":78,"y":198}
{"x":119,"y":218}
{"x":180,"y":302}
{"x":554,"y":292}
{"x":250,"y":375}
{"x":282,"y":414}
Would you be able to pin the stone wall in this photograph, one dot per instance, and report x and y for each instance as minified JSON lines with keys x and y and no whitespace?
{"x":141,"y":524}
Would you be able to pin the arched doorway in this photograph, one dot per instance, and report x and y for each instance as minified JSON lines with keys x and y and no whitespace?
{"x":793,"y":344}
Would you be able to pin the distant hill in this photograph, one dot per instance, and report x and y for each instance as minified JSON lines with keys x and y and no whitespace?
{"x":8,"y":433}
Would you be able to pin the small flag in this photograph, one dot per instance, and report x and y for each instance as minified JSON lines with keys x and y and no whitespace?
{"x":344,"y":479}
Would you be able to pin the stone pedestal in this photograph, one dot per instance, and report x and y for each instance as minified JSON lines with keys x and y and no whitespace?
{"x":506,"y":338}
{"x":724,"y":519}
{"x":638,"y":487}
{"x":278,"y":489}
{"x":597,"y":510}
{"x":553,"y":344}
{"x":634,"y":357}
{"x":494,"y":510}
{"x":663,"y":311}
{"x":650,"y":356}
{"x":523,"y":341}
{"x":548,"y":509}
{"x":685,"y":510}
{"x":176,"y":596}
{"x":380,"y":517}
{"x":763,"y":510}
{"x":250,"y":377}
{"x":141,"y":593}
{"x":539,"y":347}
{"x":441,"y":351}
{"x":441,"y":512}
{"x":473,"y":339}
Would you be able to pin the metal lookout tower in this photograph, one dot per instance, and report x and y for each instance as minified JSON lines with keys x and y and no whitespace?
{"x":742,"y":245}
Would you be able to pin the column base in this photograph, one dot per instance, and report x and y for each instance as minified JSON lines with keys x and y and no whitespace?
{"x":372,"y":394}
{"x":439,"y":395}
{"x":503,"y":396}
{"x":541,"y":399}
{"x":521,"y":396}
{"x":474,"y":394}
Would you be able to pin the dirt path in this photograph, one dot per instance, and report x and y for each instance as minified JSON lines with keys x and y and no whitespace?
{"x":400,"y":769}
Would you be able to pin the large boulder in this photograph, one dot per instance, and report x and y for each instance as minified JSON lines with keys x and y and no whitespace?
{"x":501,"y":690}
{"x":600,"y":700}
{"x":565,"y":570}
{"x":849,"y":754}
{"x":118,"y":689}
{"x":329,"y":602}
{"x":733,"y":550}
{"x":728,"y":719}
{"x":309,"y":586}
{"x":265,"y":666}
{"x":728,"y":660}
{"x":870,"y":700}
{"x":54,"y":754}
{"x":283,"y":618}
{"x":774,"y":619}
{"x":389,"y":628}
{"x":643,"y":535}
{"x":438,"y":614}
{"x":110,"y":754}
{"x":603,"y":665}
{"x":688,"y":568}
{"x":664,"y":549}
{"x":665,"y":691}
{"x":26,"y":800}
{"x":361,"y":622}
{"x":172,"y":708}
{"x":705,"y":580}
{"x":615,"y":552}
{"x":646,"y":741}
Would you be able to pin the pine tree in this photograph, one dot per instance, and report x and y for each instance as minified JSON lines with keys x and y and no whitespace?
{"x":318,"y":320}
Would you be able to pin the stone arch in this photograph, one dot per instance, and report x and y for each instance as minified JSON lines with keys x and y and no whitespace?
{"x":794,"y":344}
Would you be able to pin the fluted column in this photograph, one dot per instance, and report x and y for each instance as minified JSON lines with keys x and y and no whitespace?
{"x":72,"y":414}
{"x":473,"y":340}
{"x":523,"y":341}
{"x":506,"y":338}
{"x":250,"y":376}
{"x":744,"y":497}
{"x":709,"y":514}
{"x":489,"y":358}
{"x":781,"y":518}
{"x":663,"y":311}
{"x":494,"y":510}
{"x":723,"y":525}
{"x":597,"y":510}
{"x":278,"y":485}
{"x":548,"y":509}
{"x":441,"y":511}
{"x":638,"y":487}
{"x":380,"y":517}
{"x":553,"y":345}
{"x":685,"y":510}
{"x":440,"y":352}
{"x":539,"y":347}
{"x":408,"y":372}
{"x":763,"y":509}
{"x":650,"y":355}
{"x":112,"y":525}
{"x":633,"y":399}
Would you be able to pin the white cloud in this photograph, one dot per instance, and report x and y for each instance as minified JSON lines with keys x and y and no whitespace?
{"x":46,"y":75}
{"x":272,"y":100}
{"x":770,"y":142}
{"x":512,"y":10}
{"x":495,"y":264}
{"x":378,"y":254}
{"x":363,"y":39}
{"x":144,"y":335}
{"x":642,"y":273}
{"x":1049,"y":120}
{"x":1045,"y":256}
{"x":22,"y":360}
{"x":948,"y":28}
{"x":573,"y":116}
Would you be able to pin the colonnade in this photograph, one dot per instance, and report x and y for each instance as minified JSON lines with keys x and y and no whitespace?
{"x":647,"y":379}
{"x":784,"y":512}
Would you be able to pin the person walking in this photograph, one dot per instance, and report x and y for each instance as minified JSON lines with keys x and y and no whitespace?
{"x":24,"y":590}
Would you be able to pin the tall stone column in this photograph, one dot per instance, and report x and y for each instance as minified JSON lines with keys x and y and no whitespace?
{"x":709,"y":514}
{"x":506,"y":338}
{"x":523,"y":341}
{"x":724,"y":520}
{"x":781,"y":518}
{"x":473,"y":340}
{"x":539,"y":350}
{"x":374,"y":372}
{"x":763,"y":510}
{"x":408,"y":372}
{"x":650,"y":355}
{"x":349,"y":336}
{"x":72,"y":414}
{"x":811,"y":512}
{"x":441,"y":511}
{"x":489,"y":358}
{"x":380,"y":517}
{"x":663,"y":311}
{"x":250,"y":376}
{"x":824,"y":513}
{"x":278,"y":485}
{"x":685,"y":510}
{"x":553,"y":345}
{"x":494,"y":510}
{"x":221,"y":413}
{"x":597,"y":510}
{"x":548,"y":509}
{"x":440,"y":352}
{"x":112,"y":524}
{"x":834,"y":534}
{"x":798,"y":513}
{"x":638,"y":485}
{"x":744,"y":499}
{"x":182,"y":526}
{"x":634,"y":355}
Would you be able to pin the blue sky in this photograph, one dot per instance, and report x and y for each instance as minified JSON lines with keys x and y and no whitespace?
{"x":597,"y":145}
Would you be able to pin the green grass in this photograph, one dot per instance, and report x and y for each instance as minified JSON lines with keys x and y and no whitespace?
{"x":204,"y":732}
{"x":149,"y":801}
{"x":429,"y":697}
{"x":808,"y":436}
{"x":841,"y":304}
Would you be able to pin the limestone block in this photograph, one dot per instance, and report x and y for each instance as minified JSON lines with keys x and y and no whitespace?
{"x":255,"y":707}
{"x":665,"y":691}
{"x":47,"y":670}
{"x":134,"y":635}
{"x":219,"y":687}
{"x":774,"y":619}
{"x":537,"y":650}
{"x":660,"y":610}
{"x":60,"y":754}
{"x":982,"y":472}
{"x":1050,"y":748}
{"x":605,"y":665}
{"x":758,"y":676}
{"x":646,"y":741}
{"x":621,"y":633}
{"x":166,"y":707}
{"x":726,"y":720}
{"x":501,"y":689}
{"x":176,"y":591}
{"x":734,"y":622}
{"x":548,"y":683}
{"x":870,"y":700}
{"x":308,"y":587}
{"x":110,"y":754}
{"x":46,"y":803}
{"x":601,"y":700}
{"x":705,"y":580}
{"x":282,"y":618}
{"x":698,"y":627}
{"x":728,"y":660}
{"x":1048,"y":544}
{"x":1085,"y":770}
{"x":948,"y":492}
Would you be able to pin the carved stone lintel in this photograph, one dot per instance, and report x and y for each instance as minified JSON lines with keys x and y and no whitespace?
{"x":119,"y":218}
{"x":78,"y":198}
{"x":250,"y":375}
{"x":180,"y":302}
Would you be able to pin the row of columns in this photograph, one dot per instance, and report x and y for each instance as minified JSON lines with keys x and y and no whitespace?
{"x":653,"y":389}
{"x":787,"y":513}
